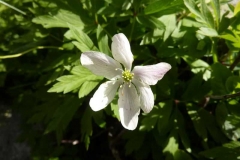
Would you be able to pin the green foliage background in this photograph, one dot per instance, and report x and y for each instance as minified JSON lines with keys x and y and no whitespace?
{"x":196,"y":113}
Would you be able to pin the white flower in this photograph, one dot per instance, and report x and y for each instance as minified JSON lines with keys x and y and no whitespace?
{"x":134,"y":91}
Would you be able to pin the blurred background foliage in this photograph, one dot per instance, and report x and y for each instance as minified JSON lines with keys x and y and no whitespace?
{"x":196,"y":113}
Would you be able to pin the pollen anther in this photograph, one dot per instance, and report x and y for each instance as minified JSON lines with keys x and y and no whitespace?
{"x":127,"y":76}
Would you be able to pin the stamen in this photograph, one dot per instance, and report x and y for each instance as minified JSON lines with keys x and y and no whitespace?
{"x":118,"y":69}
{"x":127,"y":76}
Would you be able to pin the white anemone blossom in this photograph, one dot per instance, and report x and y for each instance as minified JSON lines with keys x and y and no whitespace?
{"x":134,"y":90}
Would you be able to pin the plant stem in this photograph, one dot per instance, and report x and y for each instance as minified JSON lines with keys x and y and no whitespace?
{"x":235,"y":63}
{"x":12,"y":7}
{"x":133,"y":24}
{"x":214,"y":50}
{"x":29,"y":50}
{"x":227,"y":96}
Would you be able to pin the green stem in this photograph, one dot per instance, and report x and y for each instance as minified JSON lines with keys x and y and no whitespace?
{"x":29,"y":50}
{"x":96,"y":18}
{"x":214,"y":51}
{"x":12,"y":7}
{"x":133,"y":24}
{"x":227,"y":96}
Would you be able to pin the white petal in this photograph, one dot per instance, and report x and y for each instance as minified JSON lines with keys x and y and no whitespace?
{"x":100,"y":64}
{"x":129,"y":106}
{"x":152,"y":73}
{"x":104,"y":95}
{"x":145,"y":94}
{"x":121,"y":50}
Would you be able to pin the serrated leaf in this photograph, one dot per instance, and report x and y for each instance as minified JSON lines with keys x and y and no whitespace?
{"x":135,"y":142}
{"x":232,"y":127}
{"x":182,"y":132}
{"x":99,"y":119}
{"x":164,"y":7}
{"x":102,"y":41}
{"x":164,"y":111}
{"x":83,"y":42}
{"x":172,"y":144}
{"x":227,"y":151}
{"x":220,"y":73}
{"x":190,"y":4}
{"x":150,"y":21}
{"x":59,"y":19}
{"x":211,"y":126}
{"x":170,"y":22}
{"x":237,"y":8}
{"x":207,"y":15}
{"x":221,"y":114}
{"x":181,"y":154}
{"x":115,"y":108}
{"x":194,"y":84}
{"x":201,"y":66}
{"x":87,"y":87}
{"x":86,"y":126}
{"x":63,"y":115}
{"x":233,"y":83}
{"x":78,"y":70}
{"x":197,"y":123}
{"x":207,"y":32}
{"x":69,"y":83}
{"x":157,"y":6}
{"x":216,"y":10}
{"x":149,"y":121}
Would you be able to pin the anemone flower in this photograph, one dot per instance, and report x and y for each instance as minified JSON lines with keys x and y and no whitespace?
{"x":132,"y":85}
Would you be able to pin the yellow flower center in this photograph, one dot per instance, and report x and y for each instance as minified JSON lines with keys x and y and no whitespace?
{"x":127,"y":76}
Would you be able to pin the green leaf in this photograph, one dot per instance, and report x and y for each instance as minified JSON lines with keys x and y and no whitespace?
{"x":102,"y":41}
{"x":163,"y":7}
{"x":210,"y":123}
{"x":220,"y":74}
{"x":115,"y":108}
{"x":83,"y":42}
{"x":172,"y":144}
{"x":59,"y":19}
{"x":207,"y":32}
{"x":149,"y":121}
{"x":216,"y":11}
{"x":164,"y":111}
{"x":194,"y":84}
{"x":170,"y":22}
{"x":229,"y":35}
{"x":233,"y":83}
{"x":221,"y":114}
{"x":150,"y":21}
{"x":69,"y":83}
{"x":87,"y":87}
{"x":227,"y":151}
{"x":157,"y":6}
{"x":135,"y":142}
{"x":126,"y":5}
{"x":237,"y":9}
{"x":152,"y":37}
{"x":182,"y":132}
{"x":199,"y":66}
{"x":181,"y":154}
{"x":98,"y":118}
{"x":86,"y":126}
{"x":63,"y":115}
{"x":207,"y":15}
{"x":232,"y":127}
{"x":190,"y":4}
{"x":197,"y":122}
